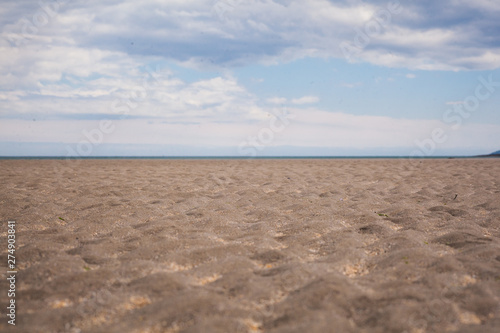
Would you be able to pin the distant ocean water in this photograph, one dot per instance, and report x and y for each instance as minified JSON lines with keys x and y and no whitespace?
{"x":218,"y":157}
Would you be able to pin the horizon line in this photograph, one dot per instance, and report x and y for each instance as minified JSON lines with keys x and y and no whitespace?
{"x":245,"y":157}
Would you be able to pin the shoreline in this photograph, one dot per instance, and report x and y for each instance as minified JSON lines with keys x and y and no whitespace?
{"x":242,"y":158}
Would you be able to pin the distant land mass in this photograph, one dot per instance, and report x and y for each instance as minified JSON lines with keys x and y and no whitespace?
{"x":495,"y":154}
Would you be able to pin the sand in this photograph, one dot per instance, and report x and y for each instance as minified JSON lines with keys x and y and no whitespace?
{"x":253,"y":245}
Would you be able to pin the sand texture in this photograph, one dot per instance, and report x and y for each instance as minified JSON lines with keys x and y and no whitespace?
{"x":253,"y":245}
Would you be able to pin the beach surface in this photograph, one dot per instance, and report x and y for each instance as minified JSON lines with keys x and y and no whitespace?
{"x":368,"y":245}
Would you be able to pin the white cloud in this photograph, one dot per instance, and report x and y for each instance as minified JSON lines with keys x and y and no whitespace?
{"x":309,"y":128}
{"x":410,"y":76}
{"x":84,"y":40}
{"x":271,"y":30}
{"x":218,"y":99}
{"x":277,"y":100}
{"x":305,"y":100}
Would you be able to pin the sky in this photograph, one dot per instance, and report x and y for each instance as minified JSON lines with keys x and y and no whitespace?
{"x":249,"y":78}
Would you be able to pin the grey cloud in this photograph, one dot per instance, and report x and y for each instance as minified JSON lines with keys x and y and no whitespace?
{"x":253,"y":31}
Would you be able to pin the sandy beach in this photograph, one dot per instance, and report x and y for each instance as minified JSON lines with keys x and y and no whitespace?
{"x":369,"y":245}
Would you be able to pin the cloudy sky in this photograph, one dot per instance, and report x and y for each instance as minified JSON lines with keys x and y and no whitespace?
{"x":249,"y":77}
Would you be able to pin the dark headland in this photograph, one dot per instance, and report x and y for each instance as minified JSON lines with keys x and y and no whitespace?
{"x":495,"y":154}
